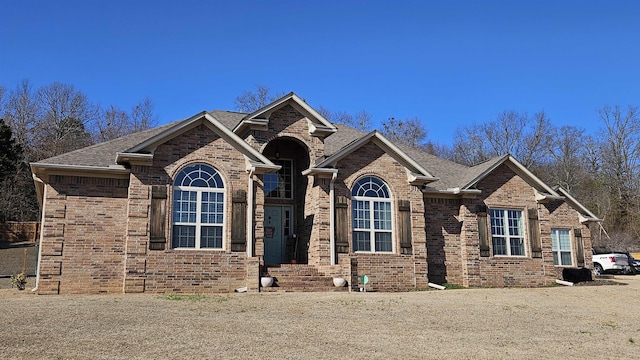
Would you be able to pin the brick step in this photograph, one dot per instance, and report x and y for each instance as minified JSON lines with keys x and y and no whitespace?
{"x":304,"y":289}
{"x":292,"y":270}
{"x":299,"y":278}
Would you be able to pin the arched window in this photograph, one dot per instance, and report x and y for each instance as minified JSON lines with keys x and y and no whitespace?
{"x":198,"y":208}
{"x":371,"y":215}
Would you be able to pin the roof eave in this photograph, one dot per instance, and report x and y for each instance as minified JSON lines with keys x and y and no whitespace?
{"x":43,"y":170}
{"x":543,"y":198}
{"x":134,"y":158}
{"x":320,"y":172}
{"x":453,"y":192}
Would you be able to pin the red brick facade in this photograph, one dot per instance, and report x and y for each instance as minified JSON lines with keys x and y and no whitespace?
{"x":95,"y":236}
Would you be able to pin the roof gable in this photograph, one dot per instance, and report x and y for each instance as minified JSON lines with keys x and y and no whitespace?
{"x":481,"y":171}
{"x":259,"y":119}
{"x":416,"y":173}
{"x":585,"y":214}
{"x":143,"y":152}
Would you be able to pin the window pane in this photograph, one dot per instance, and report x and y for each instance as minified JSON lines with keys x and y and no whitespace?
{"x":361,"y":241}
{"x":561,"y":247}
{"x":499,"y":246}
{"x":565,"y":241}
{"x":184,"y":236}
{"x":515,"y":227}
{"x":211,"y":237}
{"x":370,"y":187}
{"x":212,"y":206}
{"x":382,"y":215}
{"x":566,"y":257}
{"x":497,"y":222}
{"x":199,"y":175}
{"x":383,"y":241}
{"x":184,"y":209}
{"x":517,"y":247}
{"x":360,"y":215}
{"x":280,"y":184}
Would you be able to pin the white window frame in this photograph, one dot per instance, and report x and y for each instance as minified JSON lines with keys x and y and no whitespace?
{"x":372,"y":201}
{"x":555,"y":246}
{"x":507,"y":233}
{"x":198,"y":224}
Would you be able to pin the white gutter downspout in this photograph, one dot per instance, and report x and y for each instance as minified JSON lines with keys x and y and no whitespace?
{"x":332,"y":237}
{"x":44,"y":197}
{"x":250,"y":214}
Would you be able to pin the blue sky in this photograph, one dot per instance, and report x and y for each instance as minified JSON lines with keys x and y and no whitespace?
{"x":448,"y":63}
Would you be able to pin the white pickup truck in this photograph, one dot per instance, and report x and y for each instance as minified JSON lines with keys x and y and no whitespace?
{"x":613,"y":262}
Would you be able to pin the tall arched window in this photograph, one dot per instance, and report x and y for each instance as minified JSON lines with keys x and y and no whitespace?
{"x":371,"y":215}
{"x":198,"y":208}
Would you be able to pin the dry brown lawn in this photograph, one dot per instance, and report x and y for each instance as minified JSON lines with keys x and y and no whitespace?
{"x":592,"y":322}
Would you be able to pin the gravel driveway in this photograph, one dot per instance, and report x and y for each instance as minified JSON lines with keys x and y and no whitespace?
{"x":593,"y":322}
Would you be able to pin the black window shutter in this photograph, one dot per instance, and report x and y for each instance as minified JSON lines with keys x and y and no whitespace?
{"x":157,"y":214}
{"x":404,"y":209}
{"x":341,"y":224}
{"x":239,"y":221}
{"x":579,"y":246}
{"x":534,"y":233}
{"x":483,"y":235}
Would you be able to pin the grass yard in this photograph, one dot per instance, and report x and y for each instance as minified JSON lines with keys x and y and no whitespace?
{"x":595,"y":322}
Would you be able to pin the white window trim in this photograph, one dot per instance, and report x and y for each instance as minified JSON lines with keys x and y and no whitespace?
{"x":507,"y":236}
{"x":199,"y":224}
{"x":559,"y":251}
{"x":372,"y":230}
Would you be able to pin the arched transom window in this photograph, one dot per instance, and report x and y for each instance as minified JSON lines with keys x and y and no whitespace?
{"x":371,"y":215}
{"x":198,"y":208}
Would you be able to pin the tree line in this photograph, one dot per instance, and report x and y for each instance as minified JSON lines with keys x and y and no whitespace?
{"x":38,"y":123}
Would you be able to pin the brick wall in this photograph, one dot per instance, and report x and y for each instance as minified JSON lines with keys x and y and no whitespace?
{"x":83,"y":236}
{"x":444,"y":248}
{"x":387,"y":272}
{"x":504,"y":189}
{"x":185,"y":271}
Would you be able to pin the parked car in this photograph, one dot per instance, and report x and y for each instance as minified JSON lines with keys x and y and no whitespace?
{"x":610,"y":262}
{"x":634,"y":264}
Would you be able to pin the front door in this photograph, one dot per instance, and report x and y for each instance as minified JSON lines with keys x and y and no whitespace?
{"x":277,"y":226}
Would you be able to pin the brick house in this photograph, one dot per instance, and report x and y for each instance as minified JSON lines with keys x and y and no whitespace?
{"x":210,"y":203}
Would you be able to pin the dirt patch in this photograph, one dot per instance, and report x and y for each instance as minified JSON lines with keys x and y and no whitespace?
{"x":554,"y":323}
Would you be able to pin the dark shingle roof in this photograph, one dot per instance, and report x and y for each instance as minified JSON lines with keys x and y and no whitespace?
{"x":104,"y":154}
{"x":451,"y":174}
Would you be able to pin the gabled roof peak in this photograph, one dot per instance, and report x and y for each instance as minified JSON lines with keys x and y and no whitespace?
{"x":259,"y":119}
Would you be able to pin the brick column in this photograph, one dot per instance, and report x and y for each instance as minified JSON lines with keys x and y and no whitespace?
{"x":319,"y":241}
{"x":419,"y":237}
{"x":52,"y":243}
{"x":137,"y":233}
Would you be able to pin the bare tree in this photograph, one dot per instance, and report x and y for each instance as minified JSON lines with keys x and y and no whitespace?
{"x":65,"y":115}
{"x":142,"y":115}
{"x":21,"y":113}
{"x":114,"y":122}
{"x":469,"y":146}
{"x":250,"y":101}
{"x":111,"y":124}
{"x":568,"y":167}
{"x":408,"y":132}
{"x":360,"y":120}
{"x":620,"y":160}
{"x":524,"y":137}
